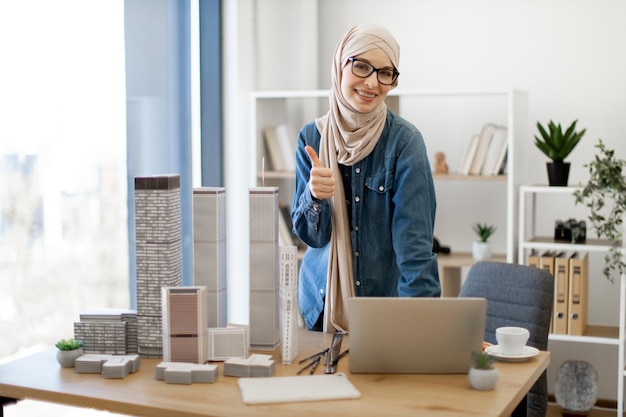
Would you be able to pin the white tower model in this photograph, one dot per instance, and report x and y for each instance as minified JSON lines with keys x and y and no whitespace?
{"x":288,"y":303}
{"x":158,"y":231}
{"x":209,"y":250}
{"x":185,"y":333}
{"x":264,"y":272}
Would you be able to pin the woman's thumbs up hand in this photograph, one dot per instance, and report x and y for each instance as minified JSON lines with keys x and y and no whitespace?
{"x":321,"y":181}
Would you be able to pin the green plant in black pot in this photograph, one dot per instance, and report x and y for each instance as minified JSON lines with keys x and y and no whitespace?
{"x":557,"y":145}
{"x":605,"y":196}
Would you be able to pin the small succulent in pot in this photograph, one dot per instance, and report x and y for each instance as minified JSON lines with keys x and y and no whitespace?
{"x":69,"y":344}
{"x":484,"y":231}
{"x":482,"y":360}
{"x":483,"y":375}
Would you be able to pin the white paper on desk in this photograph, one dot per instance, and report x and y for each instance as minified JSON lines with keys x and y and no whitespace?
{"x":297,"y":388}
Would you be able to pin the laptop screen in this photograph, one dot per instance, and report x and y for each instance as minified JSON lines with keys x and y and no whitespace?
{"x":415,"y":335}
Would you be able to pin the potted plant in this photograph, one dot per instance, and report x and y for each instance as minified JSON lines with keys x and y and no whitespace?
{"x":68,"y":351}
{"x":557,"y":145}
{"x":483,"y":375}
{"x":481,"y":249}
{"x":605,"y":195}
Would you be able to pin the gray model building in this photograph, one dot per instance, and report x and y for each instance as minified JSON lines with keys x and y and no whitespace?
{"x":158,"y":232}
{"x":209,"y":250}
{"x":107,"y":331}
{"x":264,"y":268}
{"x":185,"y":333}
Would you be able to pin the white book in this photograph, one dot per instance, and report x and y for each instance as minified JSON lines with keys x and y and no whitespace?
{"x":286,"y":138}
{"x":273,"y":149}
{"x":495,"y":152}
{"x":502,"y":161}
{"x":468,"y":156}
{"x":481,"y":151}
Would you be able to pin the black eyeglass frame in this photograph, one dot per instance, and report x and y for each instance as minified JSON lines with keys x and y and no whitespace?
{"x":396,"y":73}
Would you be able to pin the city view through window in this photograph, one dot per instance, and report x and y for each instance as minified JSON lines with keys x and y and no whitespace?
{"x":63,"y":221}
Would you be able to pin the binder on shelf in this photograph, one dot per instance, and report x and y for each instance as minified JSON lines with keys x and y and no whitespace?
{"x":546,"y":261}
{"x":578,"y":294}
{"x":561,"y":291}
{"x":484,"y":140}
{"x":533,"y":259}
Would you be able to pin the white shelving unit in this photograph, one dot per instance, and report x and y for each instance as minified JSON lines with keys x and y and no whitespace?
{"x":446,"y":119}
{"x":529,"y":240}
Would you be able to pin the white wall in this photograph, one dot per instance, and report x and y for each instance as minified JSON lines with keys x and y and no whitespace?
{"x":266,"y":44}
{"x":568,"y":54}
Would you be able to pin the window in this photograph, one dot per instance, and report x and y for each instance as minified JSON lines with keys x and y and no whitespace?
{"x":63,"y":219}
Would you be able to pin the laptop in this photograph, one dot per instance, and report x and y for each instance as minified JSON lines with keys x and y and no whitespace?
{"x":415,"y":335}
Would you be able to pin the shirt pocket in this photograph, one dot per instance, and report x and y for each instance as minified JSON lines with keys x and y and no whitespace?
{"x":379,"y":194}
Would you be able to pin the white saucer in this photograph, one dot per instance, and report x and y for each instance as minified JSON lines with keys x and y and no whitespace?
{"x":527,"y":352}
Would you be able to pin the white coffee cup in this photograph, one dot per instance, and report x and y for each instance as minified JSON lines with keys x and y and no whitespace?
{"x":512,"y":340}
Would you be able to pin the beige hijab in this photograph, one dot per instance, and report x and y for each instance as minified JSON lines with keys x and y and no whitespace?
{"x":347,"y":137}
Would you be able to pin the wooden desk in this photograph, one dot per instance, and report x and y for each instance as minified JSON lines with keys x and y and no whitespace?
{"x":40,"y":377}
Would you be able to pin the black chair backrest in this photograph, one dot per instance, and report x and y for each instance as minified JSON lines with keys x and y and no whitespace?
{"x":517,"y":295}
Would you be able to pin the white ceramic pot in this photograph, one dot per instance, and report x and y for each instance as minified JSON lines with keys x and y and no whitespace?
{"x":483,"y":379}
{"x":481,"y":250}
{"x":66,"y":358}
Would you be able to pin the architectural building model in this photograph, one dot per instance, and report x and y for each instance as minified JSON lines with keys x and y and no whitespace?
{"x":255,"y":365}
{"x":107,"y":331}
{"x":186,"y":373}
{"x":264,"y":316}
{"x":188,"y":324}
{"x":209,"y":250}
{"x":184,"y":324}
{"x":110,"y":366}
{"x":158,"y":232}
{"x":288,"y":303}
{"x":227,"y":342}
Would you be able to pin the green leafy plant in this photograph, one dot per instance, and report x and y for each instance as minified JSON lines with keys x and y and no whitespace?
{"x":555,"y":144}
{"x":484,"y":231}
{"x":605,"y":196}
{"x":482,"y":360}
{"x":69,"y":344}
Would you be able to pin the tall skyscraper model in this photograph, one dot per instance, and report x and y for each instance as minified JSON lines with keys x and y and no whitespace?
{"x":264,"y":268}
{"x":209,"y":250}
{"x":158,"y":232}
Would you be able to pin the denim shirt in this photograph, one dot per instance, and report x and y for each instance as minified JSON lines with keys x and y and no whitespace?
{"x":393,"y":216}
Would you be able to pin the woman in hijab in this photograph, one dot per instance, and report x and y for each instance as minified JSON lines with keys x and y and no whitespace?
{"x":364,"y":201}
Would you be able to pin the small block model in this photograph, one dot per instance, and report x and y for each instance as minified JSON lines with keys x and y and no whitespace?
{"x":186,"y":373}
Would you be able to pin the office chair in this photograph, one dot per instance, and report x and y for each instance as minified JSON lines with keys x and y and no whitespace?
{"x":517,"y":295}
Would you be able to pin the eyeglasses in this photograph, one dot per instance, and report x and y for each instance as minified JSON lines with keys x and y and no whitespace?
{"x":363,"y":69}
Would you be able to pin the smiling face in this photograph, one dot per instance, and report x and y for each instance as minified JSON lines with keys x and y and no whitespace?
{"x":365,"y":94}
